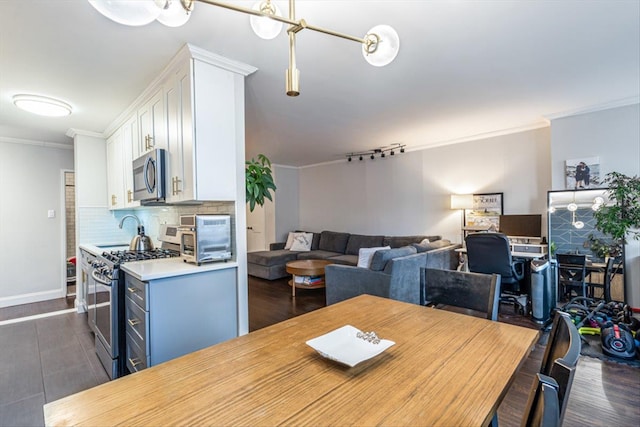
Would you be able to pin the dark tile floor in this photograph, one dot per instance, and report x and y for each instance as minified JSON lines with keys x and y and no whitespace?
{"x":44,"y":360}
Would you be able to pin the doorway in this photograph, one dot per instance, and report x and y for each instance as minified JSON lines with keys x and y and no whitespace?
{"x":70,"y":231}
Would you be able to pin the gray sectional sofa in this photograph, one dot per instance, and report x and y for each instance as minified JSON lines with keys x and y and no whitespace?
{"x":343,"y":248}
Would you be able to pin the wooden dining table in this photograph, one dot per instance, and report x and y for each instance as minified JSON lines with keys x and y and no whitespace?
{"x":445,"y":369}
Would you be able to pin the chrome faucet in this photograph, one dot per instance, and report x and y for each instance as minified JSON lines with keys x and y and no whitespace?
{"x":130,"y":216}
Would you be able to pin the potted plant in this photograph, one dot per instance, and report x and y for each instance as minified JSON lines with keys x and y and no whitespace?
{"x":621,"y":219}
{"x":259,"y":181}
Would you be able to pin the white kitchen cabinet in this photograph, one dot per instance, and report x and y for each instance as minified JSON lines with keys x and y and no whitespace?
{"x":131,"y":151}
{"x":152,"y":123}
{"x":115,"y":173}
{"x":202,"y":128}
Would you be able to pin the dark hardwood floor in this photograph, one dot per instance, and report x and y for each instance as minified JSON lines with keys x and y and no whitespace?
{"x":603,"y":394}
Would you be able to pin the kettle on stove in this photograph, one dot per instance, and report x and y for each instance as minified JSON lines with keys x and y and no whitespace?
{"x":140,"y":242}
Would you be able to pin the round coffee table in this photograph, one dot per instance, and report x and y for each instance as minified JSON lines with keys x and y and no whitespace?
{"x":306,"y":269}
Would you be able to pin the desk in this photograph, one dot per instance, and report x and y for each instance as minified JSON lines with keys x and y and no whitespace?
{"x":445,"y":369}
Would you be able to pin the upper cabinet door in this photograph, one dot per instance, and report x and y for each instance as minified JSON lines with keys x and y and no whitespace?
{"x":130,"y":151}
{"x":115,"y":173}
{"x":152,"y":122}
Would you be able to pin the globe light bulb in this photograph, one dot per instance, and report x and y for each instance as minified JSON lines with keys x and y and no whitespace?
{"x":173,"y":14}
{"x":264,"y":27}
{"x":383,"y":45}
{"x":133,"y":13}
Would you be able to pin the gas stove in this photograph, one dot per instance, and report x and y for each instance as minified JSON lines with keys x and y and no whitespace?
{"x":119,"y":257}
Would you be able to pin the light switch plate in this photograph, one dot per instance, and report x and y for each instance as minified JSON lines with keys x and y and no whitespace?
{"x":51,"y":213}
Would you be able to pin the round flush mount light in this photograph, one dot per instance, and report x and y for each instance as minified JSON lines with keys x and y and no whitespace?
{"x":42,"y":105}
{"x":572,"y":207}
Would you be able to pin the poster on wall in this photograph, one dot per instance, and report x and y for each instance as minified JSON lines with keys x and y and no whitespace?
{"x":582,"y":173}
{"x":486,"y":211}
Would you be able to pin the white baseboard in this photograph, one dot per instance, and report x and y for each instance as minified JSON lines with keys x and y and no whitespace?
{"x":32,"y":297}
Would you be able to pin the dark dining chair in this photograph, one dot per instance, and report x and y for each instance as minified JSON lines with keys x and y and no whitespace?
{"x":572,"y":275}
{"x":561,"y":356}
{"x":606,"y":283}
{"x":474,"y":291}
{"x":490,"y":253}
{"x":543,"y":406}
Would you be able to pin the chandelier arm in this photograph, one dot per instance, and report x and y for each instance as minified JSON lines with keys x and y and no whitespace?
{"x":298,"y":24}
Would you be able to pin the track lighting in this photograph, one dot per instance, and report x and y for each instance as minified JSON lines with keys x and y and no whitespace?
{"x":382,"y":152}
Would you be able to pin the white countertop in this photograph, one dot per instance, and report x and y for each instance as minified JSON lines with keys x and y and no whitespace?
{"x":170,"y":267}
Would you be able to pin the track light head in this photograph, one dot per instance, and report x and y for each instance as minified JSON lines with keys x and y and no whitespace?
{"x":373,"y":157}
{"x":349,"y":158}
{"x":402,"y":149}
{"x":382,"y":155}
{"x":392,"y":152}
{"x":360,"y":158}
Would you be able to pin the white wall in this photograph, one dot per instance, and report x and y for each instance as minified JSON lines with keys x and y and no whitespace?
{"x":409,"y":193}
{"x":285,"y":202}
{"x":614,"y":136}
{"x":32,"y":245}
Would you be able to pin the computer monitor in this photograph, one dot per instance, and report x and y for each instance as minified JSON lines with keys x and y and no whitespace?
{"x":521,"y":225}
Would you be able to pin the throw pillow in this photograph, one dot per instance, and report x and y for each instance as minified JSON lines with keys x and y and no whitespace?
{"x":302,"y":242}
{"x":289,"y":240}
{"x":380,"y":258}
{"x":365,"y":255}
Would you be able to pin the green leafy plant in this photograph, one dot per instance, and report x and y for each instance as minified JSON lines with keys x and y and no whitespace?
{"x":259,"y":181}
{"x":622,"y":219}
{"x":602,"y":248}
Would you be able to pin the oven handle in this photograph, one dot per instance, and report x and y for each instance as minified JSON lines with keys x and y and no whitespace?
{"x":99,"y":279}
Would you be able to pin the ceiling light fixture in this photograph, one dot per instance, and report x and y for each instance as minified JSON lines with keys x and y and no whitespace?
{"x":391,"y":149}
{"x":380,"y":45}
{"x":42,"y":105}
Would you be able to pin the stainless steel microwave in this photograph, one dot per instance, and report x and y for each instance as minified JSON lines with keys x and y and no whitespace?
{"x":149,"y":177}
{"x":205,"y":238}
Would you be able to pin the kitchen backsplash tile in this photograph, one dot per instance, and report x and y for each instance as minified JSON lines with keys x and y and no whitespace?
{"x":100,"y":226}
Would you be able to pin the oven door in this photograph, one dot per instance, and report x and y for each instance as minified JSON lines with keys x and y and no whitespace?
{"x":105,"y":312}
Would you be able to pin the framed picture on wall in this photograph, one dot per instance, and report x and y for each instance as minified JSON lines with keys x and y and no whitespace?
{"x":486,"y":211}
{"x":582,"y":173}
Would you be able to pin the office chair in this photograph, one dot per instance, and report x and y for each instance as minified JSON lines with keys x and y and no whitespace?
{"x":572,"y":275}
{"x":490,"y":253}
{"x":475,"y":291}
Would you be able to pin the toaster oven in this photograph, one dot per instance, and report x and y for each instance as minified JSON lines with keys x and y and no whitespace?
{"x":205,"y":238}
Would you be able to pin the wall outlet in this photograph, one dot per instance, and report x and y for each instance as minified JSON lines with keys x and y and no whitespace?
{"x":51,"y":213}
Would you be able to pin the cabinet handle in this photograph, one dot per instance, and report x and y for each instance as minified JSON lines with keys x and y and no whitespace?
{"x":175,"y":184}
{"x":148,"y":142}
{"x":133,"y":322}
{"x":129,"y":196}
{"x":132,"y":290}
{"x":113,"y":199}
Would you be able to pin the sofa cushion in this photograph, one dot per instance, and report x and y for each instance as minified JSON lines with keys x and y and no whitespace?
{"x":332,"y":241}
{"x":289,"y":241}
{"x":425,"y":247}
{"x":317,"y":254}
{"x":269,"y":258}
{"x":365,"y":255}
{"x":344,"y":259}
{"x":357,"y":241}
{"x":399,"y":241}
{"x":380,"y":258}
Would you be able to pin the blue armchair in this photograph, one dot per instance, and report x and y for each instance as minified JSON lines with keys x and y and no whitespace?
{"x":394,"y":274}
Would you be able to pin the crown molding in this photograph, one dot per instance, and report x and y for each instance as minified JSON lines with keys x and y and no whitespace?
{"x":72,"y":132}
{"x":36,"y":143}
{"x":631,"y":100}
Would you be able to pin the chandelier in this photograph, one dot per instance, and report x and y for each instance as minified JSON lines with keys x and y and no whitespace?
{"x":379,"y":46}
